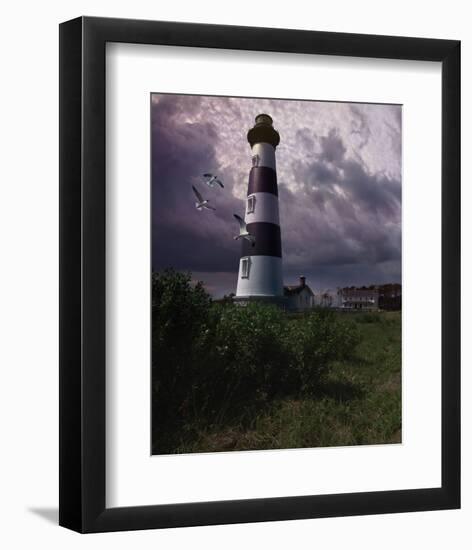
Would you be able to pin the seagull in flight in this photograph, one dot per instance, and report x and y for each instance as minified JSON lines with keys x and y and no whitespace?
{"x":243,"y":232}
{"x":201,"y":204}
{"x":212,"y":180}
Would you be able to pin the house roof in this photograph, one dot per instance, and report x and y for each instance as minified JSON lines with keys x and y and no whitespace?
{"x":292,"y":290}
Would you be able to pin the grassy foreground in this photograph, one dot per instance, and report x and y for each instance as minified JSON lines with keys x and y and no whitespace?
{"x":357,"y":403}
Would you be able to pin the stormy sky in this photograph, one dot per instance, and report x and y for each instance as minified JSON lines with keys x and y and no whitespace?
{"x":339,"y":174}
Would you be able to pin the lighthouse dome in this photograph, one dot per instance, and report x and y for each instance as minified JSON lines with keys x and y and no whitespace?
{"x":264,"y":119}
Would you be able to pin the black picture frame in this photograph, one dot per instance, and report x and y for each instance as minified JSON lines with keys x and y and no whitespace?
{"x":82,"y":274}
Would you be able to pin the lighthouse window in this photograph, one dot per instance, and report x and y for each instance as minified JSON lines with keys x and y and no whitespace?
{"x":245,"y":268}
{"x":255,"y":160}
{"x":251,"y":204}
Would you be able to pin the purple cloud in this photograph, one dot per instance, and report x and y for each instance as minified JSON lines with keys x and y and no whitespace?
{"x":339,"y":171}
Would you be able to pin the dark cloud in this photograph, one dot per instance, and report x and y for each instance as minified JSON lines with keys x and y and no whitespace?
{"x":182,"y":236}
{"x":340,"y":215}
{"x":332,"y":147}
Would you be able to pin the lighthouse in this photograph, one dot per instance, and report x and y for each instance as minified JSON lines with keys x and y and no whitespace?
{"x":260,"y":264}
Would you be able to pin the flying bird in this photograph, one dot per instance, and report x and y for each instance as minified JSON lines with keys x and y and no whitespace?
{"x":201,"y":204}
{"x":212,"y":180}
{"x":243,"y":232}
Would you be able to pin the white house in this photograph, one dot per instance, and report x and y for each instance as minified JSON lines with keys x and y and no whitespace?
{"x":299,"y":297}
{"x":328,"y":298}
{"x":362,"y":298}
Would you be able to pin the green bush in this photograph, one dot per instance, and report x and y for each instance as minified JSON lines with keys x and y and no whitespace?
{"x":246,"y":358}
{"x":218,"y":362}
{"x":180,"y":312}
{"x":368,"y":318}
{"x":317,"y":340}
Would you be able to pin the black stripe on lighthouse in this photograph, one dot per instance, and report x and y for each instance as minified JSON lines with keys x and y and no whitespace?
{"x":262,"y":179}
{"x":267,"y":240}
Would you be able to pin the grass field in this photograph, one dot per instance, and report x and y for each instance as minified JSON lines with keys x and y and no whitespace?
{"x":358,"y":403}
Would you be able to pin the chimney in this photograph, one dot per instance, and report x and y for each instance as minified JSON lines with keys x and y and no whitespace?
{"x":302,"y":280}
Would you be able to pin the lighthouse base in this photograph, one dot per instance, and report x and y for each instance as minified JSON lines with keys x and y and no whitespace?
{"x":260,"y":276}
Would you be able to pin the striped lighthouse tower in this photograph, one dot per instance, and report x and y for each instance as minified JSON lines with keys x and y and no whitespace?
{"x":260,"y":265}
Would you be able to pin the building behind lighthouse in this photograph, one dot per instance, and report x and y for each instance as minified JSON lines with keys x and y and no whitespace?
{"x":260,"y":264}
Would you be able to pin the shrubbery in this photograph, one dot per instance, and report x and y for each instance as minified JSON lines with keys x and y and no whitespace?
{"x":212,"y":363}
{"x":368,"y":318}
{"x":318,"y":339}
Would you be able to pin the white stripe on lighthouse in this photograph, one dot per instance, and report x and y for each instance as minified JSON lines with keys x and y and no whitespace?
{"x":263,"y":154}
{"x":261,"y":276}
{"x":262,"y":207}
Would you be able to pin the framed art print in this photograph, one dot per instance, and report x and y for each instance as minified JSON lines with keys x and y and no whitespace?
{"x":233,"y":321}
{"x":259,"y":274}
